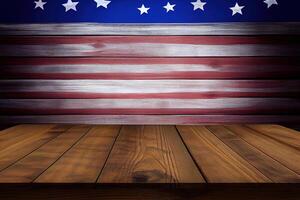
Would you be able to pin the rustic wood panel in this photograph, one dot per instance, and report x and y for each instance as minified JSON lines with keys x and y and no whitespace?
{"x":218,"y":162}
{"x":83,"y":163}
{"x":285,"y":154}
{"x":149,"y":154}
{"x":274,"y":28}
{"x":182,"y":156}
{"x":186,"y":89}
{"x":279,"y":133}
{"x":150,"y":68}
{"x":220,"y":106}
{"x":15,"y":148}
{"x":145,"y":46}
{"x":265,"y":164}
{"x":30,"y":167}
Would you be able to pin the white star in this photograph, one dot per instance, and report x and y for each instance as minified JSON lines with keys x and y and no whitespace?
{"x":169,"y":7}
{"x":271,"y":2}
{"x":143,"y":9}
{"x":39,"y":4}
{"x":237,"y":9}
{"x":198,"y":5}
{"x":70,"y":5}
{"x":102,"y":3}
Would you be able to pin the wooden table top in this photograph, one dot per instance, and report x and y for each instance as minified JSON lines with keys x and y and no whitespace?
{"x":53,"y":153}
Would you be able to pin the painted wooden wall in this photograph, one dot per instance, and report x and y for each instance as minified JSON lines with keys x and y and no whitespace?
{"x":155,"y":74}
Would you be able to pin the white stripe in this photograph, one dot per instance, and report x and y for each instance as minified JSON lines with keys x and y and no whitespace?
{"x":228,"y":103}
{"x":149,"y":50}
{"x":236,"y":28}
{"x":146,"y":86}
{"x":116,"y":68}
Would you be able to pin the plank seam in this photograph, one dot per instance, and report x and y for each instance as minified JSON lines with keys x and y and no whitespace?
{"x":34,"y":150}
{"x":191,"y":155}
{"x":239,"y":153}
{"x":33,"y":180}
{"x":108,"y":155}
{"x":275,"y":139}
{"x":260,"y":149}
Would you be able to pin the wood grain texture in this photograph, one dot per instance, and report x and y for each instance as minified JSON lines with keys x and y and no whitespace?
{"x":183,"y":89}
{"x":30,"y":167}
{"x":265,"y":164}
{"x":83,"y":163}
{"x":106,"y":156}
{"x":218,"y":162}
{"x":149,"y":154}
{"x":150,"y":68}
{"x":150,"y":119}
{"x":220,"y":106}
{"x":285,"y":154}
{"x":274,"y":28}
{"x":23,"y":143}
{"x":279,"y":133}
{"x":145,"y":46}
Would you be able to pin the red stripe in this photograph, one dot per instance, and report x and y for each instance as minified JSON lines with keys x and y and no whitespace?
{"x":218,"y":61}
{"x":152,"y":76}
{"x":161,"y":111}
{"x":101,"y":40}
{"x":205,"y":95}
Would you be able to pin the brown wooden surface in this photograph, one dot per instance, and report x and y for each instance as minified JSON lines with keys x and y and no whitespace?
{"x":268,"y":166}
{"x":285,"y":154}
{"x":149,"y":154}
{"x":21,"y":142}
{"x":83,"y":163}
{"x":218,"y":162}
{"x":27,"y":169}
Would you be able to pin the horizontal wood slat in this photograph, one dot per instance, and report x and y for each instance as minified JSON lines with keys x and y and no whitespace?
{"x":150,"y":106}
{"x":150,"y":68}
{"x":145,"y":46}
{"x":186,"y":89}
{"x":274,"y":28}
{"x":150,"y":119}
{"x":150,"y":74}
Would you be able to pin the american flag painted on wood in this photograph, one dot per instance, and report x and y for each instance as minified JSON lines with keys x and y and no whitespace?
{"x":201,"y":71}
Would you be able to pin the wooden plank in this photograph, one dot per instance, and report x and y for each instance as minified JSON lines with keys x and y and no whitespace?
{"x":150,"y":68}
{"x":286,"y":155}
{"x":149,"y":119}
{"x":265,"y":164}
{"x":129,"y":89}
{"x":30,"y":167}
{"x":145,"y":46}
{"x":83,"y":163}
{"x":16,"y":130}
{"x":16,"y":148}
{"x":236,"y":28}
{"x":279,"y":133}
{"x":218,"y":162}
{"x":149,"y":154}
{"x":220,"y":106}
